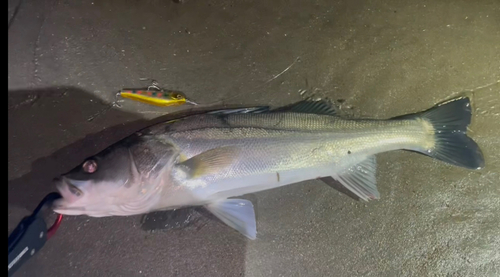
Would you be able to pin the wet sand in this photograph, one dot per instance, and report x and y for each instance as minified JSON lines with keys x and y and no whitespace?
{"x":374,"y":59}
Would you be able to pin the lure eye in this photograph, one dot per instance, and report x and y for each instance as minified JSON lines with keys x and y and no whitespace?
{"x":178,"y":96}
{"x":89,"y":166}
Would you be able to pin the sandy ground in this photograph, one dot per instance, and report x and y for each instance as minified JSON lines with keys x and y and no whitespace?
{"x":67,"y":59}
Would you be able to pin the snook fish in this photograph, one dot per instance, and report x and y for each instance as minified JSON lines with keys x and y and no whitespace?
{"x":208,"y":159}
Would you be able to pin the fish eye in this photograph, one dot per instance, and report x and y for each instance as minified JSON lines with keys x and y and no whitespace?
{"x":74,"y":190}
{"x":89,"y":166}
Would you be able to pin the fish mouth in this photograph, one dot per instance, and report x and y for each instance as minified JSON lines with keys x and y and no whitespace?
{"x":69,"y":195}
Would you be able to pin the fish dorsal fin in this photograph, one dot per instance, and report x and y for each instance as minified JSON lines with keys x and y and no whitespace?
{"x":259,"y":109}
{"x":237,"y":213}
{"x":249,"y":110}
{"x":209,"y":162}
{"x":309,"y":106}
{"x":361,"y":179}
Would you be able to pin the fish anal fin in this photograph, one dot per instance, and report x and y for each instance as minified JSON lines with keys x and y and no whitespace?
{"x":361,"y":179}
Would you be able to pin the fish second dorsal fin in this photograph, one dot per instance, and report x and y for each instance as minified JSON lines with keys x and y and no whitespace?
{"x":258,"y":109}
{"x":309,"y":106}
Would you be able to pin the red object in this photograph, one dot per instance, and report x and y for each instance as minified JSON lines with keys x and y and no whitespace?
{"x":52,"y":230}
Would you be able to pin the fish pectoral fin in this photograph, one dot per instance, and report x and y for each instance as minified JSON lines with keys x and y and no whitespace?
{"x":209,"y":162}
{"x":361,"y":179}
{"x":237,"y":213}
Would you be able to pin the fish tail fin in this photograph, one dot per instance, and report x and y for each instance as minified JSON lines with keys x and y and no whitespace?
{"x":452,"y":145}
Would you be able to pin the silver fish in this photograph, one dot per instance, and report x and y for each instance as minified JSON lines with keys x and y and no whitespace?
{"x":206,"y":159}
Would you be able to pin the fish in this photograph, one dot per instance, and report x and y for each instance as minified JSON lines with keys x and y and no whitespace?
{"x":213,"y":159}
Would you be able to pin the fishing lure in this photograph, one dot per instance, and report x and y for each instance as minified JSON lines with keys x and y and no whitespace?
{"x":154,"y":95}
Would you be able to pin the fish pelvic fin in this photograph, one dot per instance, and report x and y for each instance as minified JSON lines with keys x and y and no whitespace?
{"x":237,"y":213}
{"x":452,"y":145}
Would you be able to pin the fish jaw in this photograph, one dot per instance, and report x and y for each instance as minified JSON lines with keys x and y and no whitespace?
{"x":61,"y":207}
{"x":98,"y":202}
{"x":66,"y":204}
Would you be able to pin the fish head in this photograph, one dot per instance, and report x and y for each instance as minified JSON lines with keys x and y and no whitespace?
{"x":100,"y":185}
